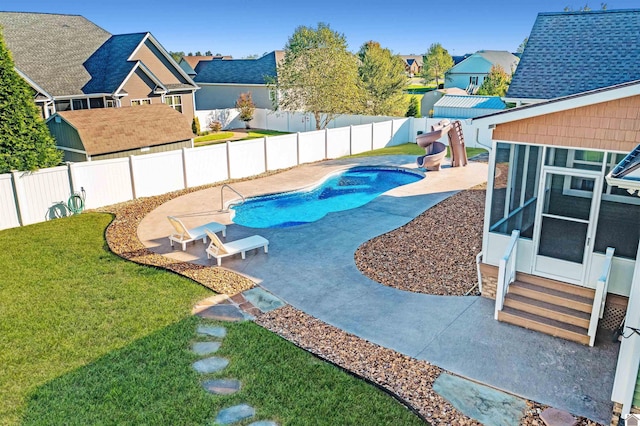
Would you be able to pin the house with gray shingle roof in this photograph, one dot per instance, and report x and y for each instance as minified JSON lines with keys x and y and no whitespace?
{"x":575,"y":52}
{"x":221,"y":81}
{"x":413,"y":64}
{"x":71,"y":64}
{"x":471,"y":72}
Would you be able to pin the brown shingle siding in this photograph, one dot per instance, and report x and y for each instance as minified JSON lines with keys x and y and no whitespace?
{"x":609,"y":125}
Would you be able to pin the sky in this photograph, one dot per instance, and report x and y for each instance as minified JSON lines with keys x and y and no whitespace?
{"x":241,"y":28}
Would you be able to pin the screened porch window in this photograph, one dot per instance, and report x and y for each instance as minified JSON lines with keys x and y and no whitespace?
{"x":515,"y":188}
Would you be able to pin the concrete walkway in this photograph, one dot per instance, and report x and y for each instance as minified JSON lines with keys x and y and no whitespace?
{"x":312,"y":268}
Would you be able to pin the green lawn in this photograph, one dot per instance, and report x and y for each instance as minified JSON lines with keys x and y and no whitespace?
{"x":212,"y":137}
{"x":259,"y":133}
{"x":411,"y":149}
{"x":89,"y":338}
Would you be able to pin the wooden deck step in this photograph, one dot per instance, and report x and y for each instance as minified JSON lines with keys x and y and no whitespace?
{"x":556,"y":285}
{"x":553,"y":296}
{"x":544,"y":325}
{"x":547,"y":310}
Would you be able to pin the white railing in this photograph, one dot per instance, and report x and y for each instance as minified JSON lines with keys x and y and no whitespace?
{"x":507,"y":270}
{"x":600,"y":298}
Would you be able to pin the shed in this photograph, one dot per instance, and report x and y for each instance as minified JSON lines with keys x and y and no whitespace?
{"x":99,"y":134}
{"x":469,"y":106}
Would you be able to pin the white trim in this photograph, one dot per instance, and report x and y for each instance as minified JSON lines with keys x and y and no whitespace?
{"x":525,"y":101}
{"x":144,"y":69}
{"x":77,"y":151}
{"x":598,"y":96}
{"x":81,"y":96}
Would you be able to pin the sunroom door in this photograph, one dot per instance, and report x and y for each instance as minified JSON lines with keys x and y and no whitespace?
{"x":565,"y":223}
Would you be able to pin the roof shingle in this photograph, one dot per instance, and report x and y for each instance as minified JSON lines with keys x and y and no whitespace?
{"x":107,"y":130}
{"x":574,"y":52}
{"x":237,"y":71}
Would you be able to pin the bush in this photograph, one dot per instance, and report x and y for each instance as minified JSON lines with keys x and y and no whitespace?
{"x":215,"y":126}
{"x":195,"y":125}
{"x":414,"y":108}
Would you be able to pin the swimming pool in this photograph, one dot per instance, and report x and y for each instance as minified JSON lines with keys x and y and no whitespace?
{"x":344,"y":190}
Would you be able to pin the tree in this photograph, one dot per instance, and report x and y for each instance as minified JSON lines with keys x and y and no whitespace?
{"x":246,"y":107}
{"x":383,"y":80}
{"x":522,"y":45}
{"x":198,"y":53}
{"x":208,"y":53}
{"x":25,"y":141}
{"x":585,"y":8}
{"x":437,"y":61}
{"x":414,"y":108}
{"x":495,"y":83}
{"x":318,"y":76}
{"x":176,"y":55}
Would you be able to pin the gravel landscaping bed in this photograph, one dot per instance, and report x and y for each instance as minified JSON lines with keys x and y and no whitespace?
{"x":435,"y":253}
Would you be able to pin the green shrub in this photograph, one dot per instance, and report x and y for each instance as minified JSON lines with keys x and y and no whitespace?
{"x":215,"y":126}
{"x":195,"y":125}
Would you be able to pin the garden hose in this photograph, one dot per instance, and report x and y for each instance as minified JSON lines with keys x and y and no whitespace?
{"x":75,"y":203}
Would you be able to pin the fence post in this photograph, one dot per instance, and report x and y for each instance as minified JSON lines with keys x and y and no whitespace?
{"x":17,"y":197}
{"x":392,"y":135}
{"x":266,"y":162}
{"x":228,"y":145}
{"x":133,"y":176}
{"x":350,"y":139}
{"x":297,"y":148}
{"x":373,"y":129}
{"x":184,"y":168}
{"x":326,"y":143}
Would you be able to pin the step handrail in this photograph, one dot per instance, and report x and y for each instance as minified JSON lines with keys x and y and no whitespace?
{"x":600,"y":298}
{"x":226,"y":185}
{"x":507,"y":270}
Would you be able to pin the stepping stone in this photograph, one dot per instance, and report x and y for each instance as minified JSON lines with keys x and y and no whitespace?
{"x":205,"y":348}
{"x":264,"y":423}
{"x":262,"y":299}
{"x":555,"y":417}
{"x":222,"y":386}
{"x":229,"y":313}
{"x":235,"y":414}
{"x":211,"y":330}
{"x":210,"y":365}
{"x":489,"y":406}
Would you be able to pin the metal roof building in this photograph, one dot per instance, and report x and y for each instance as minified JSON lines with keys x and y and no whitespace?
{"x":471,"y":106}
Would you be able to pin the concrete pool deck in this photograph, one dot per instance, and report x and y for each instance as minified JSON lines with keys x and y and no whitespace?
{"x":312,"y":268}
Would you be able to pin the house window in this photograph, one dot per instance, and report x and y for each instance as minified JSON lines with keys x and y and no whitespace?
{"x":473,"y":80}
{"x":174,"y":101}
{"x":135,"y":102}
{"x":515,"y":189}
{"x":111,"y":103}
{"x":63,"y":105}
{"x":96,"y":103}
{"x":80,"y":104}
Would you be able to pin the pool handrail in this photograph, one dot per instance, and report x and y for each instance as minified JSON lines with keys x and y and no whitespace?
{"x":222,"y":207}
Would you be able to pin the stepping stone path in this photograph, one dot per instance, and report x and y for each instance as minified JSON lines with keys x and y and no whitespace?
{"x":555,"y":417}
{"x":234,"y":309}
{"x":235,"y":414}
{"x":489,"y":406}
{"x":219,"y":332}
{"x":222,"y":386}
{"x":205,"y":348}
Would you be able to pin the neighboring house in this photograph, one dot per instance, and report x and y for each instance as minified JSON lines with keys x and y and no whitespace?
{"x":412,"y":64}
{"x":189,"y":63}
{"x":72,"y":64}
{"x":430,"y":98}
{"x":222,"y":81}
{"x":550,"y":180}
{"x":574,"y":52}
{"x":471,"y":72}
{"x":99,"y":134}
{"x":466,"y":106}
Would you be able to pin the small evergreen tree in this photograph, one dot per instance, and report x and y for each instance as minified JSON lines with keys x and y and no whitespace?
{"x":195,"y":125}
{"x":247,"y":108}
{"x":414,"y":108}
{"x":25,"y":141}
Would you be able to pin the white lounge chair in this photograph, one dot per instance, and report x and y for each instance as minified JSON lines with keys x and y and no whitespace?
{"x":218,"y":249}
{"x":183,"y":235}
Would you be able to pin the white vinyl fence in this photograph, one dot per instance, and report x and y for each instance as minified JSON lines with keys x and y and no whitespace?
{"x":32,"y":197}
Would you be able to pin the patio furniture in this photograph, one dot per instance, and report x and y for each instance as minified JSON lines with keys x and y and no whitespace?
{"x":183,"y":235}
{"x":218,"y":249}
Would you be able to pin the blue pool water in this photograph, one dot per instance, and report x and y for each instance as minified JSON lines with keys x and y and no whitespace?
{"x":343,"y":191}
